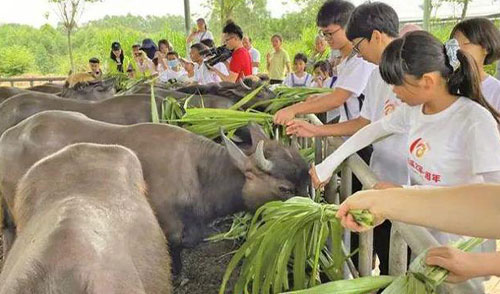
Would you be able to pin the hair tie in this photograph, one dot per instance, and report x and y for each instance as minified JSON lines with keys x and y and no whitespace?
{"x":452,"y":48}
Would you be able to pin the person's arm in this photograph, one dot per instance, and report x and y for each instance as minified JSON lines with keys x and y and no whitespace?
{"x":268,"y":61}
{"x":464,"y":265}
{"x":472,"y":210}
{"x":301,"y":128}
{"x":231,"y":77}
{"x":191,"y":37}
{"x":255,"y":63}
{"x":364,"y":137}
{"x":321,"y":104}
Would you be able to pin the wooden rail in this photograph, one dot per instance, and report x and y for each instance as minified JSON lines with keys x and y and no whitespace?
{"x":31,"y":81}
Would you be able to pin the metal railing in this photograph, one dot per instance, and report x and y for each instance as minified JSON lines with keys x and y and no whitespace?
{"x":31,"y":81}
{"x":402,"y":235}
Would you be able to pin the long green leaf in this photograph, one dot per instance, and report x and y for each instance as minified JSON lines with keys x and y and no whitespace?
{"x":355,"y":286}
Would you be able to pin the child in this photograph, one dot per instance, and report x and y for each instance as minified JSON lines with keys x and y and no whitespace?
{"x":322,"y":77}
{"x":278,"y":61}
{"x":299,"y":78}
{"x":95,"y":68}
{"x":175,"y":71}
{"x":481,"y":39}
{"x":353,"y":71}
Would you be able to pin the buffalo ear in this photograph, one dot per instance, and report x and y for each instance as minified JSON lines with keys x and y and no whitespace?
{"x":237,"y":156}
{"x":257,"y":134}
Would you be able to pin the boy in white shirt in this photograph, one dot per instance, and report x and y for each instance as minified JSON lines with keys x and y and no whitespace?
{"x":202,"y":75}
{"x":254,"y":53}
{"x":388,"y":159}
{"x":175,"y":71}
{"x":299,"y":78}
{"x":353,"y":71}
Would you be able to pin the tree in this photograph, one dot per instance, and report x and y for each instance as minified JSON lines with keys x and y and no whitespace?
{"x":69,"y":11}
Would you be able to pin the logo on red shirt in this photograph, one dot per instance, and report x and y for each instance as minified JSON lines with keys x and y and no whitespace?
{"x":419,"y":148}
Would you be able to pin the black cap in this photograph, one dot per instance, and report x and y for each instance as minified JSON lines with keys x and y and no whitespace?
{"x":116,"y":46}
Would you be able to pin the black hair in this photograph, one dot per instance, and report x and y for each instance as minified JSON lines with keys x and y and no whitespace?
{"x":173,"y":53}
{"x":208,"y":42}
{"x":232,"y":28}
{"x":199,"y":46}
{"x":369,"y":17}
{"x":324,"y":66}
{"x":121,"y":57}
{"x":334,"y":12}
{"x":300,"y":56}
{"x":204,"y":22}
{"x":419,"y":52}
{"x":94,"y":60}
{"x":481,"y":31}
{"x":136,"y":45}
{"x":277,"y":36}
{"x":166,"y":43}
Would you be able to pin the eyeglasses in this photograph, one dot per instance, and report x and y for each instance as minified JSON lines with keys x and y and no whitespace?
{"x":228,"y":39}
{"x":328,"y":35}
{"x":355,"y":48}
{"x":138,"y":54}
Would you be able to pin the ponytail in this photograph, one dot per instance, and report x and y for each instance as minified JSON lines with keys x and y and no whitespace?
{"x":418,"y":53}
{"x":466,"y":82}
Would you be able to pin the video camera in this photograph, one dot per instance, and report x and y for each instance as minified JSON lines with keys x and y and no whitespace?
{"x":216,"y":55}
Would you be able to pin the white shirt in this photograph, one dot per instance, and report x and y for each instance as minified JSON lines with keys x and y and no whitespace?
{"x":200,"y":36}
{"x":498,"y":70}
{"x":330,"y":83}
{"x":203,"y":76}
{"x":292,"y":80}
{"x":449,"y":148}
{"x":491,"y":91}
{"x":169,"y":74}
{"x":353,"y":75}
{"x":146,"y":65}
{"x":255,"y":54}
{"x":388,"y":160}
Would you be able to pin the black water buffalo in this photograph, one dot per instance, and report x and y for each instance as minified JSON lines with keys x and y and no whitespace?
{"x":233,"y":91}
{"x":191,"y":180}
{"x":122,"y":110}
{"x":50,"y":88}
{"x":84,"y":225}
{"x":83,"y":86}
{"x":7,"y":92}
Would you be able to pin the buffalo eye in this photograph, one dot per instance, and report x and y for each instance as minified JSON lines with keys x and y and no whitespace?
{"x":286,"y":190}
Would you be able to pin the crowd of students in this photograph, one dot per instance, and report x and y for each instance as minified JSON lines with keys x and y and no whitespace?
{"x":423,"y":114}
{"x":428,"y":109}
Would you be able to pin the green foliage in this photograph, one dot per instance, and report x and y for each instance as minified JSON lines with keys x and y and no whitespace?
{"x":15,"y":60}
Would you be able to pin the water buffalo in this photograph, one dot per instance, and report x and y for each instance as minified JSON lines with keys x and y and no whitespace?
{"x":83,"y":86}
{"x":7,"y":92}
{"x":50,"y":88}
{"x":84,"y":225}
{"x":122,"y":110}
{"x":233,"y":91}
{"x":191,"y":179}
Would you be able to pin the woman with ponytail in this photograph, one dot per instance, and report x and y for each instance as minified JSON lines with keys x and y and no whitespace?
{"x":453,"y":138}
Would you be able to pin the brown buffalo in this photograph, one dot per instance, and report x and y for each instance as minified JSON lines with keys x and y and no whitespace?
{"x":84,"y":225}
{"x":191,"y":179}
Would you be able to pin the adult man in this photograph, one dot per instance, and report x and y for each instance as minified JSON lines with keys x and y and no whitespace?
{"x":175,"y":71}
{"x":241,"y":63}
{"x":202,"y":75}
{"x":254,"y":54}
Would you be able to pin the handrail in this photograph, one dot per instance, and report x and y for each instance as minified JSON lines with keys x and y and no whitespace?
{"x":32,"y":81}
{"x":418,"y":238}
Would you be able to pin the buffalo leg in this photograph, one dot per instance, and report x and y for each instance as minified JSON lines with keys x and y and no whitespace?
{"x":175,"y":254}
{"x":8,"y":230}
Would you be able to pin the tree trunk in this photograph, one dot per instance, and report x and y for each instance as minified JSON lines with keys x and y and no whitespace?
{"x":70,"y":51}
{"x":464,"y":9}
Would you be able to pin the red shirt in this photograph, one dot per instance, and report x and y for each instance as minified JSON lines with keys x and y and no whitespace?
{"x":241,"y":63}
